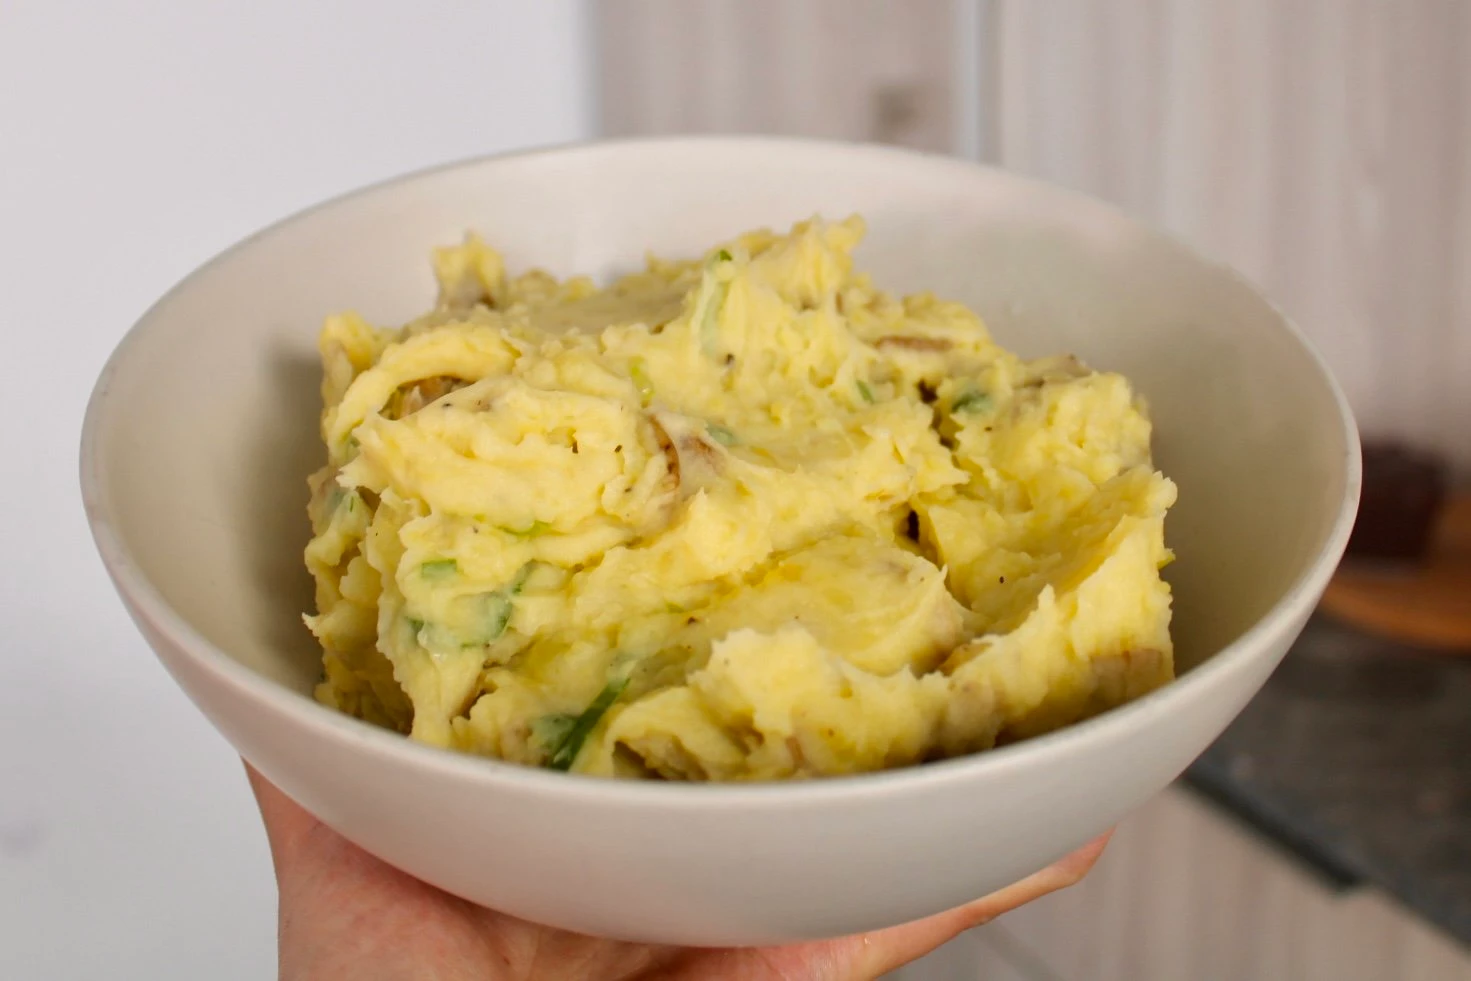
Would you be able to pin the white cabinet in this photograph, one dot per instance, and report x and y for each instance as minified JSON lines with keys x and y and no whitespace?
{"x":1322,"y":147}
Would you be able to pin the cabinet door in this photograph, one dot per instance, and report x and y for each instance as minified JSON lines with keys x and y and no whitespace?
{"x":841,"y":69}
{"x":1324,"y":148}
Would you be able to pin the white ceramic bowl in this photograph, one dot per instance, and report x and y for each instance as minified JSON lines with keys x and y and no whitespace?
{"x":202,"y":430}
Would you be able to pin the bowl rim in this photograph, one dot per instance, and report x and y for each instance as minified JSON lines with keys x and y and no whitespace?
{"x":557,"y":787}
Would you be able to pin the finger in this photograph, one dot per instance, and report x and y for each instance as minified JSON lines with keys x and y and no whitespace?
{"x":288,"y":824}
{"x":885,"y":950}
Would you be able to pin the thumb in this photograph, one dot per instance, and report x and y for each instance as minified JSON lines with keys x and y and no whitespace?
{"x":887,"y":949}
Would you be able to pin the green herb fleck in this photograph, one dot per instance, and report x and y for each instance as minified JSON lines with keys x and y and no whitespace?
{"x":437,"y":570}
{"x":518,"y":581}
{"x":530,"y":531}
{"x":414,"y":625}
{"x":971,"y":401}
{"x":564,"y":753}
{"x":342,"y":499}
{"x":498,"y":609}
{"x":865,"y":391}
{"x":721,"y":435}
{"x":723,"y":255}
{"x":638,"y":370}
{"x":495,"y":609}
{"x":712,"y":298}
{"x":552,"y":730}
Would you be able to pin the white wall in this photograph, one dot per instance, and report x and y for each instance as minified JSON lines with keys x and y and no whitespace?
{"x":135,"y":141}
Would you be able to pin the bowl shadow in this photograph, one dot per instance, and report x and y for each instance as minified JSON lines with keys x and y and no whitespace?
{"x":283,"y":450}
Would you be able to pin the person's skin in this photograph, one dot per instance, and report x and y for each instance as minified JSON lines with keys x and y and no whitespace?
{"x":344,"y":914}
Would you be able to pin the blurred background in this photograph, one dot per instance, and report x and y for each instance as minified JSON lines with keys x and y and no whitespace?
{"x":1323,"y":147}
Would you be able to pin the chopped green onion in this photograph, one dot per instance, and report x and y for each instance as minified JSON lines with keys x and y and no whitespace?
{"x":712,"y":298}
{"x":552,"y":730}
{"x":343,"y":499}
{"x":530,"y":531}
{"x":564,"y":753}
{"x":638,"y":370}
{"x":498,"y":609}
{"x":710,"y":325}
{"x":971,"y":401}
{"x":865,"y":391}
{"x":439,"y":569}
{"x":721,"y":435}
{"x":491,"y":616}
{"x":723,"y":256}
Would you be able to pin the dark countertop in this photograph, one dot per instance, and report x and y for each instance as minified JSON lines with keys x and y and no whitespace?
{"x":1356,"y":757}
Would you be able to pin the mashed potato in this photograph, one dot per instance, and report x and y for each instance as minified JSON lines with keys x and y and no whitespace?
{"x":746,"y":517}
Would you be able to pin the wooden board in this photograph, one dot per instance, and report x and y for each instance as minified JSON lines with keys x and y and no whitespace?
{"x":1428,"y":604}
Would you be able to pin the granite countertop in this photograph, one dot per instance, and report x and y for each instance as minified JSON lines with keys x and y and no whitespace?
{"x":1356,"y":757}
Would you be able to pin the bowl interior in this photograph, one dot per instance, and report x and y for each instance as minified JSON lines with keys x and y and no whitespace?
{"x":205,"y":426}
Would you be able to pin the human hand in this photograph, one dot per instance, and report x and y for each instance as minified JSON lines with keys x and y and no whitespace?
{"x":346,"y":915}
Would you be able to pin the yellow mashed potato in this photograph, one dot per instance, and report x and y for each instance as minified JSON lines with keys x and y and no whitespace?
{"x":746,"y":517}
